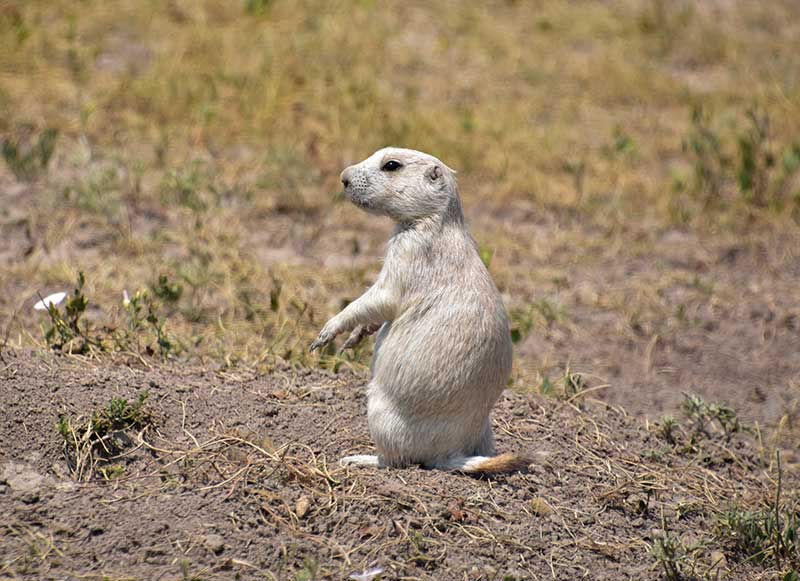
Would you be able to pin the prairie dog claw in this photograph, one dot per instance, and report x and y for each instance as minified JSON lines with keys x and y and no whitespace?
{"x":358,"y":335}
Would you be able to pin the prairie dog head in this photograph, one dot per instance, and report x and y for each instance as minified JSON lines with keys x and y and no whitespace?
{"x":404,"y":184}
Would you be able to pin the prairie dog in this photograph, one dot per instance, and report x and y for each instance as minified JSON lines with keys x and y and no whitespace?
{"x":443,"y":352}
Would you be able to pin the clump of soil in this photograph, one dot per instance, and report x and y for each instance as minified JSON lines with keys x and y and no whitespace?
{"x":236,"y":474}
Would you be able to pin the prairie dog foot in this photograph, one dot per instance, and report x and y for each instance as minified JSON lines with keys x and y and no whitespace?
{"x":358,"y":335}
{"x":361,"y":460}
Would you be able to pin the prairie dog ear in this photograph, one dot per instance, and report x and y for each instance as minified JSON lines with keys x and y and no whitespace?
{"x":434,"y":173}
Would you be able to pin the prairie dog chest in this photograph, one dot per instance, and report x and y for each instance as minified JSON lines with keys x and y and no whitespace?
{"x":419,"y":265}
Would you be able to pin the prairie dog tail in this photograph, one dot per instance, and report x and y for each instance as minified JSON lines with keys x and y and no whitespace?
{"x":486,"y":464}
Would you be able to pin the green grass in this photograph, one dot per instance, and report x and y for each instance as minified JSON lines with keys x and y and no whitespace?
{"x":28,"y":160}
{"x":767,"y":534}
{"x":758,"y":534}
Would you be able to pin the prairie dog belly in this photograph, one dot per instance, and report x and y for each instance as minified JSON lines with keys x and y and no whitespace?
{"x":437,"y":371}
{"x":444,"y":357}
{"x":403,"y":439}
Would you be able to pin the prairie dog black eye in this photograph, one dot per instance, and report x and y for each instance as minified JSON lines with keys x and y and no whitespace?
{"x":391,"y":165}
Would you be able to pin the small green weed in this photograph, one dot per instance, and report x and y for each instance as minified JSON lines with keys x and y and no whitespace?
{"x":764,"y":176}
{"x":768,"y":533}
{"x":186,"y":187}
{"x":99,"y":192}
{"x":66,"y":330}
{"x":746,"y":161}
{"x":486,"y":253}
{"x":655,"y":455}
{"x":28,"y":157}
{"x":257,"y":7}
{"x":704,"y":428}
{"x":667,"y":429}
{"x":111,"y":471}
{"x":309,"y":571}
{"x":761,"y":534}
{"x":676,"y":558}
{"x":521,"y":324}
{"x":145,"y":321}
{"x":568,"y":386}
{"x":90,"y":443}
{"x":544,"y":310}
{"x":670,"y":553}
{"x":143,"y":333}
{"x":547,"y":388}
{"x":576,"y":169}
{"x":706,"y":417}
{"x":275,"y":294}
{"x":621,"y":146}
{"x":418,"y":541}
{"x":708,"y":158}
{"x":166,"y":290}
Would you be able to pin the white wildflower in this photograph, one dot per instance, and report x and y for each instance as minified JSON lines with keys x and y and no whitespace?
{"x":126,"y":300}
{"x":366,"y":575}
{"x":52,"y":299}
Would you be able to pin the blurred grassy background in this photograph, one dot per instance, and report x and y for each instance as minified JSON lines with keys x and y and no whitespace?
{"x":201,"y":141}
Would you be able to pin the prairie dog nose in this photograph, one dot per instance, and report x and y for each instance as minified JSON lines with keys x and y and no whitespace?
{"x":346,"y":177}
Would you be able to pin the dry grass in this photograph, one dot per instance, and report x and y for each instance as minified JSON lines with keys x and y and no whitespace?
{"x":184,"y":129}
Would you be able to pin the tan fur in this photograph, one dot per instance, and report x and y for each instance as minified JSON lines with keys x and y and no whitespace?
{"x":506,"y":462}
{"x":443,"y":353}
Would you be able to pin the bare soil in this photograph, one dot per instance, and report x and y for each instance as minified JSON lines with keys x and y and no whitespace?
{"x":236,"y":476}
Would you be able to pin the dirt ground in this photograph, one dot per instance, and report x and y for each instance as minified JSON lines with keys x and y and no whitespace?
{"x":235,"y":476}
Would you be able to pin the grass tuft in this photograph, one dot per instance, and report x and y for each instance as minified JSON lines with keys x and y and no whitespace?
{"x":92,"y":442}
{"x":28,"y":156}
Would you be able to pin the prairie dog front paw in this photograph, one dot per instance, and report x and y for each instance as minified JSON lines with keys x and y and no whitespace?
{"x":358,"y":335}
{"x":323,"y":339}
{"x":328,"y":334}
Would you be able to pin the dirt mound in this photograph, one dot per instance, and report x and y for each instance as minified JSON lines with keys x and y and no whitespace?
{"x":235,"y":474}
